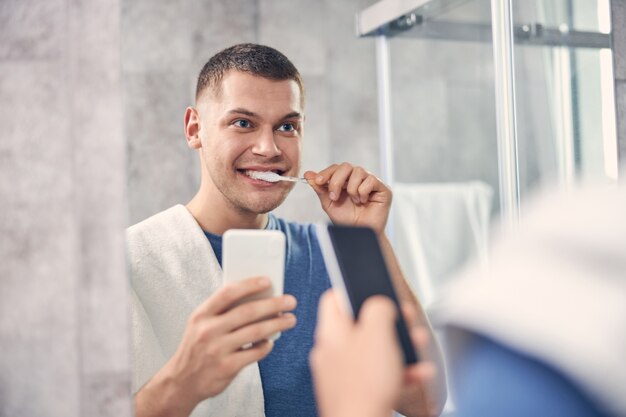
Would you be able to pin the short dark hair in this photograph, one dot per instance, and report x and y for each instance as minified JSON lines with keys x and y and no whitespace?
{"x":255,"y":59}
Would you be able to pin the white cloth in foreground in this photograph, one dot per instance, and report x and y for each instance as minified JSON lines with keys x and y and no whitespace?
{"x":555,"y":290}
{"x":173,"y":270}
{"x":437,"y":228}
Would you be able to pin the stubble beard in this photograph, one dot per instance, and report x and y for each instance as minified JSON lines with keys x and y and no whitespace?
{"x":260,"y":201}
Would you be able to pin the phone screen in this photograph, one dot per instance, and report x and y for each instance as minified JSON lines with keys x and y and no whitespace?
{"x":365,"y":273}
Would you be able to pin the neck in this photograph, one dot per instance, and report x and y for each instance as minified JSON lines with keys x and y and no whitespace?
{"x":216,"y":215}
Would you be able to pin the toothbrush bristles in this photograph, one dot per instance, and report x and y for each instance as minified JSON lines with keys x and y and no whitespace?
{"x":270,"y":176}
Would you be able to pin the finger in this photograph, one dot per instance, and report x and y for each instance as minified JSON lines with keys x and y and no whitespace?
{"x":365,"y":189}
{"x":316,"y":358}
{"x":232,"y":292}
{"x":322,"y":193}
{"x":378,"y":314}
{"x":377,"y":323}
{"x":372,"y":189}
{"x":331,"y":318}
{"x":356,"y":179}
{"x":324,"y":179}
{"x":258,"y":331}
{"x":320,"y":184}
{"x":420,"y":373}
{"x":324,"y":175}
{"x":310,"y":176}
{"x":420,"y":337}
{"x":329,"y":308}
{"x":409,"y":312}
{"x":253,"y":311}
{"x":338,"y":180}
{"x":318,"y":181}
{"x":255,"y":353}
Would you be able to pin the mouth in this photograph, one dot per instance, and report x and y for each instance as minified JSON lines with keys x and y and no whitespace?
{"x":258,"y":175}
{"x":248,"y":172}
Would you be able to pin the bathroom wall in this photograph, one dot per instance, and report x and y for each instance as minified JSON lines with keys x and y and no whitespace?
{"x":63,"y":318}
{"x":164,"y":45}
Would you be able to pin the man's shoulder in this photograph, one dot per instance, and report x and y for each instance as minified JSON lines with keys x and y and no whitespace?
{"x":158,"y":220}
{"x":172,"y":227}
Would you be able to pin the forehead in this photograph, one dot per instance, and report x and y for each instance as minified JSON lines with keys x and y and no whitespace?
{"x":243,"y":90}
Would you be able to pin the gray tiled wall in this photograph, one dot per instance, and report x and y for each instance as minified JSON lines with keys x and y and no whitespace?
{"x":63,"y":318}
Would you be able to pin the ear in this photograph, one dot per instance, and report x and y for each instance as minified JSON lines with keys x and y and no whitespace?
{"x":192,"y":128}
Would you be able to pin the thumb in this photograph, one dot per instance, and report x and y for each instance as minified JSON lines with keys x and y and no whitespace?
{"x":320,"y":189}
{"x":332,"y":321}
{"x":378,"y":314}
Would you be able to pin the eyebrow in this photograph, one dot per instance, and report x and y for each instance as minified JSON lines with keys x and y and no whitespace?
{"x":242,"y":111}
{"x":252,"y":114}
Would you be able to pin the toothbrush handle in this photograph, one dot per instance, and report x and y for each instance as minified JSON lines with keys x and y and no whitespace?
{"x":292,"y":179}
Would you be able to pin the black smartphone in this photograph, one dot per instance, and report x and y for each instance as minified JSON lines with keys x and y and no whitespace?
{"x":357,"y":269}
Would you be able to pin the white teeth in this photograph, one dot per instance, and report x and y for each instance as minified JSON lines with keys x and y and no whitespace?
{"x":268,"y":176}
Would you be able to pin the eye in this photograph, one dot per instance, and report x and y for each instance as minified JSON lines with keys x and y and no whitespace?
{"x":242,"y":123}
{"x":287,"y":127}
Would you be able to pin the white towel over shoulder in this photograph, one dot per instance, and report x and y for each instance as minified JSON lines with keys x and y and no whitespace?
{"x":173,"y":270}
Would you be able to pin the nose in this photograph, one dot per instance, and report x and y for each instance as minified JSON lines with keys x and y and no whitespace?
{"x":265,"y":144}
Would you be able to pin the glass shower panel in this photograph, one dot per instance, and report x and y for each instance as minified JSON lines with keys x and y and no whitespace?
{"x":445,"y":156}
{"x":443,"y":104}
{"x":564,"y":94}
{"x":442,"y":90}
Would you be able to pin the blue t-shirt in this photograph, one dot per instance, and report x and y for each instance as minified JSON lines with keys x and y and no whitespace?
{"x":285,"y":372}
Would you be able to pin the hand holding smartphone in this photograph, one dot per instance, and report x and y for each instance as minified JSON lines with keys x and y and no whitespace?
{"x":357,"y":270}
{"x":251,"y":253}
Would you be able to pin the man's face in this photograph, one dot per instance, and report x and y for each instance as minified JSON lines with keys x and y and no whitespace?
{"x":253,"y":123}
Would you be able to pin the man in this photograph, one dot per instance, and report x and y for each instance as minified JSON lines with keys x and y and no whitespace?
{"x":188,"y":337}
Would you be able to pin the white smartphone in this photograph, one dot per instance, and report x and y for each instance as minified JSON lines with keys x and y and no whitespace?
{"x":248,"y":253}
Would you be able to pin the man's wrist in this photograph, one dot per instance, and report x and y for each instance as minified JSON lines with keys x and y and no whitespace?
{"x":161,"y":397}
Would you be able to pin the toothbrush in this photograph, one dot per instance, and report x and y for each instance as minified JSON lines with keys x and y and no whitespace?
{"x":270,"y":176}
